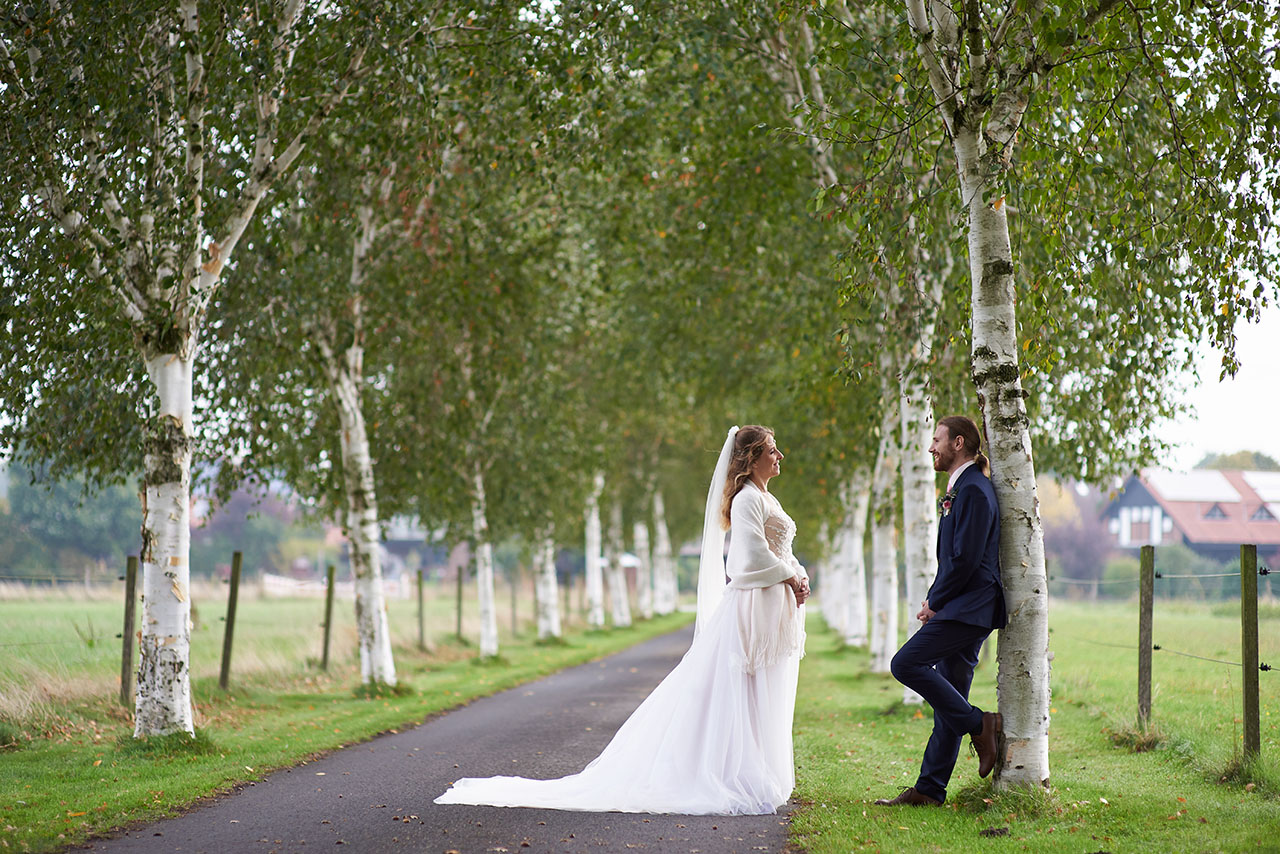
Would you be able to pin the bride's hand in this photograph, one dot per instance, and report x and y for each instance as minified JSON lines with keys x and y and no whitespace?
{"x":799,"y":588}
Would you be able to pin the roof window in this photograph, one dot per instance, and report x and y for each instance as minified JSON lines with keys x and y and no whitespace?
{"x":1215,"y":512}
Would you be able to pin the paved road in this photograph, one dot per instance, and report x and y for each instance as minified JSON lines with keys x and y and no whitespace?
{"x":376,"y":796}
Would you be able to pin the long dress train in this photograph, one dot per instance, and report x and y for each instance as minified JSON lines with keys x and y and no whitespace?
{"x":714,"y":738}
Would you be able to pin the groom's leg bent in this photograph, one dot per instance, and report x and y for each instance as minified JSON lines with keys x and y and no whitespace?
{"x":944,"y":743}
{"x":934,"y":643}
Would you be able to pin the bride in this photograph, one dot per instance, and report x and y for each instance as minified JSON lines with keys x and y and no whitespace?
{"x":714,"y":738}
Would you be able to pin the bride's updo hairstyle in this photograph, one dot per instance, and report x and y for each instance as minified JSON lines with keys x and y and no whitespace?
{"x":747,"y":448}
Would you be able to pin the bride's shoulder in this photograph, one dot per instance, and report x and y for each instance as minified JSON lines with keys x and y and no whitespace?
{"x":749,"y":494}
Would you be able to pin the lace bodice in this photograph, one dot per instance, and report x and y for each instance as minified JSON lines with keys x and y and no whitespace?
{"x":779,"y":529}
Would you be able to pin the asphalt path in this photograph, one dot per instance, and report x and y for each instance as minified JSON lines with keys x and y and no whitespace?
{"x":377,"y":796}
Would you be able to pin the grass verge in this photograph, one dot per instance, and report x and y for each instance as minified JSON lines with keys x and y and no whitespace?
{"x":85,"y":773}
{"x":855,"y":742}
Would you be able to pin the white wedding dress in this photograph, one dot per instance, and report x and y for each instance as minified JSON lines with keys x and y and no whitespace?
{"x":714,"y":738}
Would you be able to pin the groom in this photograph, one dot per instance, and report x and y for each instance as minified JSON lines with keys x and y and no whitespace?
{"x":965,"y":602}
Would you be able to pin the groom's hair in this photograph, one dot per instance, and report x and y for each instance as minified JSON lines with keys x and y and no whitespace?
{"x":964,"y":428}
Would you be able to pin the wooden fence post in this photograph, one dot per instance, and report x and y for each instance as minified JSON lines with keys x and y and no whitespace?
{"x":126,"y":654}
{"x":328,"y":617}
{"x":227,"y":634}
{"x":1146,"y":596}
{"x":1249,"y":648}
{"x":422,"y":620}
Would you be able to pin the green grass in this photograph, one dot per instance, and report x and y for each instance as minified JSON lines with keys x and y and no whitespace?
{"x":1185,"y":789}
{"x":77,"y":770}
{"x":57,"y":651}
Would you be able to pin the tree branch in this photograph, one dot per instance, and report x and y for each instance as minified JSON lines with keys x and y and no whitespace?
{"x":944,"y":86}
{"x":194,"y":166}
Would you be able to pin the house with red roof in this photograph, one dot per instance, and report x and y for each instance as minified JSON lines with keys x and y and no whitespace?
{"x":1212,"y":512}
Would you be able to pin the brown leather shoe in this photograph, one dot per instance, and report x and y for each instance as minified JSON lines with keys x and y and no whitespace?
{"x":909,"y":797}
{"x":987,"y":741}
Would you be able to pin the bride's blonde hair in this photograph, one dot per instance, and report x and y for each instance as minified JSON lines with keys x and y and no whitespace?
{"x":747,"y":448}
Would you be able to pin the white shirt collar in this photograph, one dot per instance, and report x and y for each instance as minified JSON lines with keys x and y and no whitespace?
{"x":955,"y":475}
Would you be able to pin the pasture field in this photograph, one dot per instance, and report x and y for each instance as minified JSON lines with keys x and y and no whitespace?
{"x":63,"y":648}
{"x":72,"y":768}
{"x":856,"y":741}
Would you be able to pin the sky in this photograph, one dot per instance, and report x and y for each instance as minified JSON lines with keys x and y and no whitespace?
{"x":1237,"y":414}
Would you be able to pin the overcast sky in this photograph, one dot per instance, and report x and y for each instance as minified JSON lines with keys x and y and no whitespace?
{"x":1238,"y":414}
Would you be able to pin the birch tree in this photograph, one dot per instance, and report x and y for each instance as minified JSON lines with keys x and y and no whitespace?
{"x":885,"y":601}
{"x":888,"y":263}
{"x":1086,"y":93}
{"x":594,"y":556}
{"x":619,"y":593}
{"x":142,"y":143}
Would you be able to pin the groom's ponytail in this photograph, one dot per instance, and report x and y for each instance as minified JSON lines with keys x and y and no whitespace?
{"x":983,"y":464}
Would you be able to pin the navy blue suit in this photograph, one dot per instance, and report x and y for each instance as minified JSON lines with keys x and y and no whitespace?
{"x":967,"y":598}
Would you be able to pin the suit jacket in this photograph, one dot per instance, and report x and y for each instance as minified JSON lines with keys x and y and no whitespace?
{"x":968,"y":587}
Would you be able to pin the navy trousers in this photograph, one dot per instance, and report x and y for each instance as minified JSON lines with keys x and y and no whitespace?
{"x":937,"y":663}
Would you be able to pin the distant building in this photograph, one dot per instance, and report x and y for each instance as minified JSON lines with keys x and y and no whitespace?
{"x":1211,"y":512}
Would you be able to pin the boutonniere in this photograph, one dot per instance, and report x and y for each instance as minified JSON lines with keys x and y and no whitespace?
{"x":944,"y":503}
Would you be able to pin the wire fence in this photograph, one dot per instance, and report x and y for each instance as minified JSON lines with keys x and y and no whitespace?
{"x":1263,"y":571}
{"x":1262,"y":666}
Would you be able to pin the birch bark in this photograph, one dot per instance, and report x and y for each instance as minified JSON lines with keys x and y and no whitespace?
{"x":644,"y":572}
{"x":1024,"y":656}
{"x":547,"y":589}
{"x":594,"y":559}
{"x":374,"y":635}
{"x":664,"y":568}
{"x":919,"y":494}
{"x":344,"y":372}
{"x":830,"y":581}
{"x":162,"y":703}
{"x":619,"y":595}
{"x":983,"y":125}
{"x":884,"y":552}
{"x":484,"y":566}
{"x":850,"y":540}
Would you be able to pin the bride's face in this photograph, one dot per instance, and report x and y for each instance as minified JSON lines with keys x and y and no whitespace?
{"x":769,"y":463}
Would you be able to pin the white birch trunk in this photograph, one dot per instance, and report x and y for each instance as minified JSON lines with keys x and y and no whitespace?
{"x":374,"y":635}
{"x":594,"y":570}
{"x":162,"y":703}
{"x":973,"y":114}
{"x":644,"y":572}
{"x":665,"y":588}
{"x":484,"y":566}
{"x":619,"y":595}
{"x":850,"y":538}
{"x":828,"y":581}
{"x":1024,"y":656}
{"x":546,"y":589}
{"x":344,"y":369}
{"x":919,"y":502}
{"x":884,"y":553}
